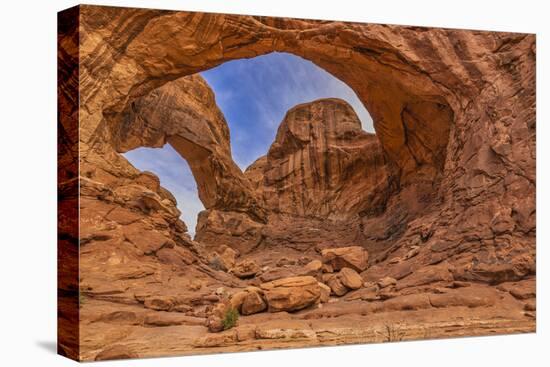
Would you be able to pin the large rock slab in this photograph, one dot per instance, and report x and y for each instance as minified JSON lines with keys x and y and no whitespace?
{"x":354,"y":257}
{"x":344,"y":281}
{"x":291,"y":294}
{"x":248,"y":301}
{"x":118,"y":351}
{"x":253,"y":303}
{"x":246,"y":269}
{"x":161,"y":318}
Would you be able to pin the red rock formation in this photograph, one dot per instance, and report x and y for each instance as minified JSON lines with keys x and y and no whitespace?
{"x":443,"y":197}
{"x":321,"y":164}
{"x":321,"y":169}
{"x":184,"y":114}
{"x":418,"y":85}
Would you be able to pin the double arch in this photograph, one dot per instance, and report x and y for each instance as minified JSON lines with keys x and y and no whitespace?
{"x":411,"y":110}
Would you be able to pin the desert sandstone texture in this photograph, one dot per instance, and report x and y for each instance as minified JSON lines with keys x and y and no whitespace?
{"x":424,"y":230}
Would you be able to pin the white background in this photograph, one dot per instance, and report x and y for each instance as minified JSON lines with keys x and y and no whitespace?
{"x":28,"y":182}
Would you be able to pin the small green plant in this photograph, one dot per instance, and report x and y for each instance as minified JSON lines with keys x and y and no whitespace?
{"x":230,"y":318}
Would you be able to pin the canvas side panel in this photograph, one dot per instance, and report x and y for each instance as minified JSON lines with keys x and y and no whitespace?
{"x":67,"y":183}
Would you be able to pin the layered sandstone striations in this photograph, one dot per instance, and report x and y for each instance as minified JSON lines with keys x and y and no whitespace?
{"x":439,"y":205}
{"x":321,"y":173}
{"x":184,"y":114}
{"x":425,"y":89}
{"x":321,"y":164}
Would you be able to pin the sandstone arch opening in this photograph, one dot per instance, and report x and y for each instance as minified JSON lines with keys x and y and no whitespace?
{"x":393,"y":85}
{"x":255,"y":95}
{"x":175,"y":175}
{"x":412,"y":114}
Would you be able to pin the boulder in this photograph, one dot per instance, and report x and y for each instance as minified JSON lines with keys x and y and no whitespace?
{"x":248,"y":301}
{"x":325,"y":292}
{"x":313,"y":267}
{"x":412,"y":253}
{"x":408,"y":302}
{"x":214,"y":321}
{"x":354,"y":257}
{"x":350,"y":278}
{"x":246,"y":269}
{"x":521,"y":293}
{"x":335,"y":284}
{"x":344,"y":281}
{"x":386,"y":282}
{"x":493,"y":273}
{"x":224,"y":260}
{"x":214,"y":324}
{"x":237,"y":299}
{"x":291,"y":294}
{"x":159,"y":303}
{"x":520,"y":290}
{"x":253,"y":303}
{"x":368,"y":293}
{"x":327,"y":268}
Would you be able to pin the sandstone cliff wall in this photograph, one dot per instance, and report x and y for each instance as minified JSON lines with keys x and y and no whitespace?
{"x":454,"y":113}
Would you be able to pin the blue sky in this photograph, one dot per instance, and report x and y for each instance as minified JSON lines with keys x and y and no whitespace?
{"x":254,"y":95}
{"x":175,"y":175}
